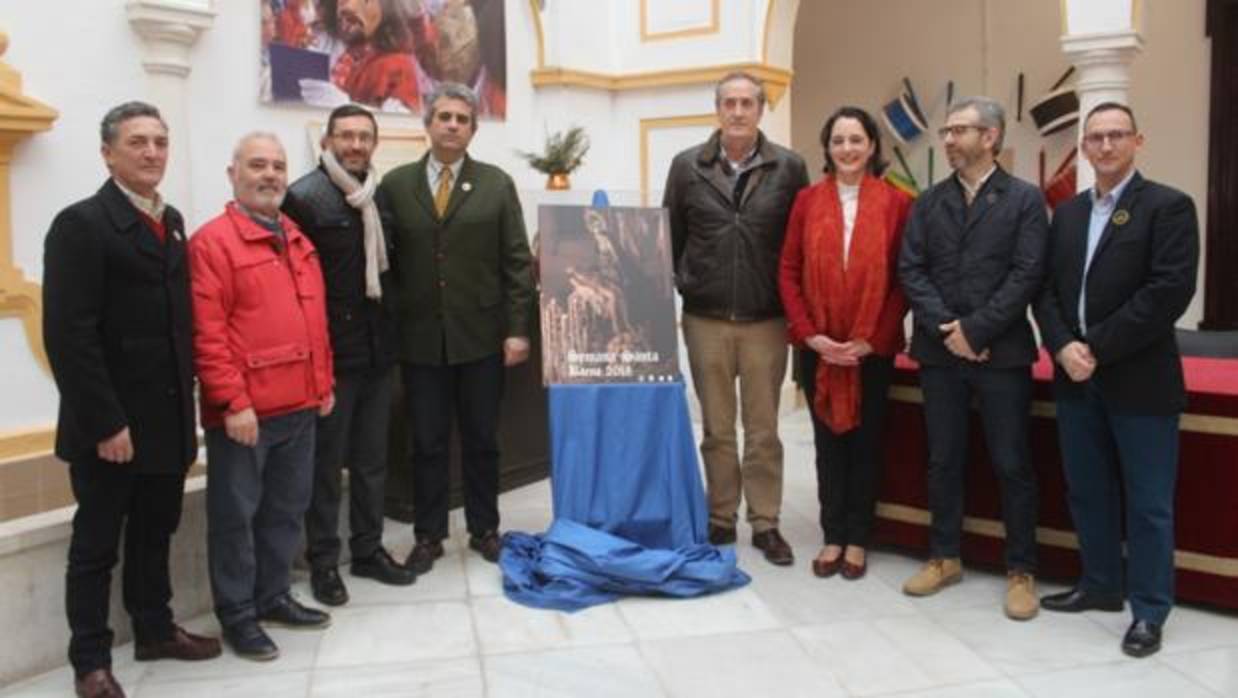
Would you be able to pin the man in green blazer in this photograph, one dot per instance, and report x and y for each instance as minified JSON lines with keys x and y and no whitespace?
{"x":464,"y":294}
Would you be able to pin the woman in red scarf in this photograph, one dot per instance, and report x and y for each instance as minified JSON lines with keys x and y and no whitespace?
{"x":845,"y":312}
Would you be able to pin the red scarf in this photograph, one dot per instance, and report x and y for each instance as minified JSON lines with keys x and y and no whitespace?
{"x":844,"y":304}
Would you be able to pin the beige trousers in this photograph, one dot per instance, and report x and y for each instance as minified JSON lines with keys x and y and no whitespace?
{"x":755,"y":353}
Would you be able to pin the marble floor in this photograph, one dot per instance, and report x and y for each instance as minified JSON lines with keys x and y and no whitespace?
{"x":788,"y":634}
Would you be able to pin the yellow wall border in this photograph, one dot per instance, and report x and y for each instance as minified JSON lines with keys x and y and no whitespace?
{"x":710,"y":28}
{"x":536,"y":8}
{"x":27,"y":443}
{"x":661,"y":122}
{"x":776,"y":80}
{"x":20,"y":118}
{"x":1056,"y":537}
{"x":1195,"y":423}
{"x":769,"y":21}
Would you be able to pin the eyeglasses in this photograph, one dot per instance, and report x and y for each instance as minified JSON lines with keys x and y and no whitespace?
{"x":958,"y":130}
{"x":1098,"y":139}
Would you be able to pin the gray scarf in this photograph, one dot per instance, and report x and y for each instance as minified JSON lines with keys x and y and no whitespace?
{"x":361,"y":197}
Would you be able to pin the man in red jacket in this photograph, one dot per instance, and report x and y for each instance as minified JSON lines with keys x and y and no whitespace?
{"x":264,"y":364}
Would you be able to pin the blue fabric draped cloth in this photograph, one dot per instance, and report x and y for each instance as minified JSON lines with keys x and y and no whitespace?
{"x":629,"y":506}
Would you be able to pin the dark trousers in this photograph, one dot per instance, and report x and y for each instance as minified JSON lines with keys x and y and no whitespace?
{"x":353,"y":435}
{"x":255,"y":501}
{"x":1004,"y":397}
{"x":1106,"y":456}
{"x":148,"y":507}
{"x":849,"y":464}
{"x":470,"y":393}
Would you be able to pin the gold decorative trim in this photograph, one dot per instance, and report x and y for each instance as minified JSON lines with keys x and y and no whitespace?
{"x":661,"y":122}
{"x":1056,"y":537}
{"x":710,"y":28}
{"x":27,"y":443}
{"x":535,"y":8}
{"x":776,"y":79}
{"x":1194,"y":423}
{"x":769,"y":21}
{"x":20,"y":118}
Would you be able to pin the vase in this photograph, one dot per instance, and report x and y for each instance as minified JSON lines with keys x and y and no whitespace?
{"x":558,"y":181}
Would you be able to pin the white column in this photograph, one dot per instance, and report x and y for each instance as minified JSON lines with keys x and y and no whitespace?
{"x":169,"y":29}
{"x":1101,"y":40}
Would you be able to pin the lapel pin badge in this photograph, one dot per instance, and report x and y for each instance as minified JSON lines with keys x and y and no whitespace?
{"x":1121,"y":216}
{"x":179,"y":234}
{"x":992,"y":198}
{"x":467,"y":186}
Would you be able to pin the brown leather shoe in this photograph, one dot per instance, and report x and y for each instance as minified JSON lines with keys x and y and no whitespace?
{"x":775,"y":547}
{"x":424,"y":553}
{"x":183,"y":645}
{"x":488,"y":544}
{"x":98,"y":684}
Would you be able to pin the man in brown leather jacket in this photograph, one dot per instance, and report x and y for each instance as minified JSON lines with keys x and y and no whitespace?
{"x":729,"y":199}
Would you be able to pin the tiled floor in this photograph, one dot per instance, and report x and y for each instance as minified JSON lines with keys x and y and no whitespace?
{"x":788,"y":634}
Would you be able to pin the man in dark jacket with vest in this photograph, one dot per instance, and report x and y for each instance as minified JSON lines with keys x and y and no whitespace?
{"x":729,"y":200}
{"x":973,"y":259}
{"x":335,"y":206}
{"x":118,"y":333}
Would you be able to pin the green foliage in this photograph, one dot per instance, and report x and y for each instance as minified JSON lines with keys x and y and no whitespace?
{"x":564,"y":152}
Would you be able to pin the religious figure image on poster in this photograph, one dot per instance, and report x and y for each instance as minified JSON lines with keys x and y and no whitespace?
{"x":607,"y":296}
{"x":385,"y":54}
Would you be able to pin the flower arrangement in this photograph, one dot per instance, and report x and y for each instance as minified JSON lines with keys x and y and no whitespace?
{"x":563,"y":153}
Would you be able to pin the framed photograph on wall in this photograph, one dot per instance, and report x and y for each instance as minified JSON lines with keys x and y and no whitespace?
{"x":385,"y":54}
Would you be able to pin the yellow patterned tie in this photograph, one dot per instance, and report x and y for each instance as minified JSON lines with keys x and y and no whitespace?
{"x":443,"y":194}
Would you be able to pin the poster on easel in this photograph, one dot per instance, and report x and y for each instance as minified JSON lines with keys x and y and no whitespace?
{"x":607,"y":295}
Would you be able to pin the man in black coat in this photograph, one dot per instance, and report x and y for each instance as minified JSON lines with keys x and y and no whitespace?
{"x":973,"y":259}
{"x":118,"y":335}
{"x":335,"y":205}
{"x":1123,"y":258}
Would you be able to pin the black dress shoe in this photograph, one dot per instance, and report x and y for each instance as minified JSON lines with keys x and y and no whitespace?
{"x":1142,"y":639}
{"x":250,"y":641}
{"x":1076,"y":600}
{"x":327,"y":587}
{"x":487,"y":544}
{"x":289,"y":613}
{"x":422,"y":558}
{"x":381,"y":568}
{"x":721,"y":535}
{"x":775,"y":547}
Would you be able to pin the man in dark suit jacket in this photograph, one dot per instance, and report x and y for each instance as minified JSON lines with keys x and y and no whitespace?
{"x":972,"y":261}
{"x":117,"y":329}
{"x":464,"y":291}
{"x":1123,"y":259}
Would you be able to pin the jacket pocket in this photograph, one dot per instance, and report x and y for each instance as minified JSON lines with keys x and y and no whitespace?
{"x":278,"y":377}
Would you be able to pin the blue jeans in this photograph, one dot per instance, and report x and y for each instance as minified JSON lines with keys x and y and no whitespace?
{"x":255,"y":501}
{"x":1005,"y":399}
{"x":1107,"y":456}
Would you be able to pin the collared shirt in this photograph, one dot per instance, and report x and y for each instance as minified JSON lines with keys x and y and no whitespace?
{"x":737,"y":167}
{"x":1102,"y":211}
{"x":434,"y":172}
{"x":969,"y":191}
{"x":271,"y":224}
{"x":152,"y":207}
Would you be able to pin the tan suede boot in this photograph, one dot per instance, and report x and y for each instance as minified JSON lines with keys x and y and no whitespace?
{"x":937,"y":574}
{"x":1021,"y":601}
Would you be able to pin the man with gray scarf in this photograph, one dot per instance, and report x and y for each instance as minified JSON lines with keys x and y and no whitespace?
{"x":336,"y":207}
